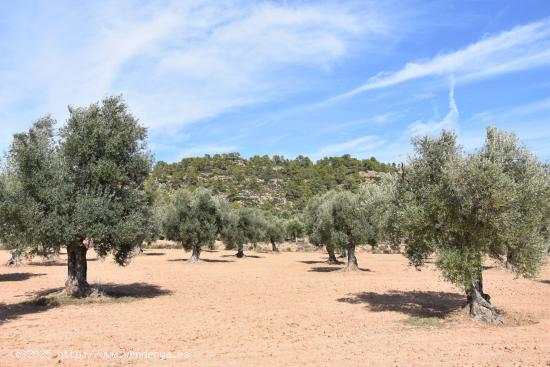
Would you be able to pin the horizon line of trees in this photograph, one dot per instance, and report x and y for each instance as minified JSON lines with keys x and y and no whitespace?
{"x":274,"y":183}
{"x":88,"y":185}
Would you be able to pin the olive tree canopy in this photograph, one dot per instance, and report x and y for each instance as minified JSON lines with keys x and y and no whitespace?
{"x":242,"y":225}
{"x":318,"y":225}
{"x":274,"y":231}
{"x":294,"y":227}
{"x":84,"y":186}
{"x":492,"y":203}
{"x":194,"y":220}
{"x":340,"y":219}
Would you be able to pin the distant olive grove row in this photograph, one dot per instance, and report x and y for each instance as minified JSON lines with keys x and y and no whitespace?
{"x":88,"y":185}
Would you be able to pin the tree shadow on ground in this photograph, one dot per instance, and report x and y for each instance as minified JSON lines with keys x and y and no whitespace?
{"x":55,"y":262}
{"x":15,"y":277}
{"x":44,"y":292}
{"x":245,"y":256}
{"x":412,"y":303}
{"x":133,"y":290}
{"x":328,"y":269}
{"x":206,"y":260}
{"x":544,"y":281}
{"x":313,"y":262}
{"x":323,"y":269}
{"x":16,"y":310}
{"x":48,"y":263}
{"x":154,"y":253}
{"x":116,"y":291}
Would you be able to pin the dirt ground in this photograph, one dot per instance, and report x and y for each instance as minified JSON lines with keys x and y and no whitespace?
{"x":289,"y":309}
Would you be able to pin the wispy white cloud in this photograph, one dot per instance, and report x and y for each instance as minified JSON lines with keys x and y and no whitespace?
{"x":450,"y":121}
{"x":536,"y":111}
{"x":378,"y":119}
{"x":396,"y":148}
{"x":399,"y":147}
{"x":246,"y":56}
{"x":528,"y":120}
{"x":522,"y":47}
{"x":179,"y":62}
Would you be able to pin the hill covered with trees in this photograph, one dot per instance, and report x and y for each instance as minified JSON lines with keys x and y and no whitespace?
{"x":267,"y":182}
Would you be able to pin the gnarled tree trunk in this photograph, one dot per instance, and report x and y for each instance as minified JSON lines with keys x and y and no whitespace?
{"x":15,"y":259}
{"x":331,"y":255}
{"x":480,"y":303}
{"x":274,"y":247}
{"x":352,"y":260}
{"x":77,"y":266}
{"x":240,"y":252}
{"x":196,"y":254}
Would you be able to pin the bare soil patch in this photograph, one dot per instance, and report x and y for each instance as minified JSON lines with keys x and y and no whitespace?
{"x":282,"y":309}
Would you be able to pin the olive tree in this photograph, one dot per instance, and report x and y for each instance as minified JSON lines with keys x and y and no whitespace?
{"x":349,"y":222}
{"x":85,"y":186}
{"x":274,"y":231}
{"x":14,"y":214}
{"x":30,"y":189}
{"x":492,"y":203}
{"x":318,"y":225}
{"x":342,"y":221}
{"x":379,"y":203}
{"x":294,"y":227}
{"x":194,"y":220}
{"x":231,"y":235}
{"x":240,"y":226}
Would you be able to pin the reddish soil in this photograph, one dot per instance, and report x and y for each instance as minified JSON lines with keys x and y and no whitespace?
{"x":288,"y":309}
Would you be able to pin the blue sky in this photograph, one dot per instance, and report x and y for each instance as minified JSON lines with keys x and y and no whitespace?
{"x":318,"y":78}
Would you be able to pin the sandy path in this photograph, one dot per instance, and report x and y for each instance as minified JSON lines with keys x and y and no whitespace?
{"x":274,"y":310}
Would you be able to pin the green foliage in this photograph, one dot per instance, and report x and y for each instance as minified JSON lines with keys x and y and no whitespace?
{"x":268,"y":183}
{"x":274,"y":229}
{"x":241,"y":226}
{"x":193,"y":219}
{"x":104,"y":149}
{"x":251,"y":222}
{"x":492,"y":203}
{"x":423,"y":196}
{"x":32,"y":185}
{"x":86,"y":184}
{"x":318,"y":223}
{"x":340,"y":219}
{"x":294,"y":227}
{"x":349,"y":219}
{"x":379,"y":211}
{"x":460,"y":266}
